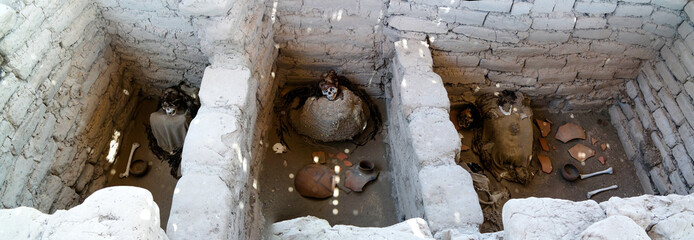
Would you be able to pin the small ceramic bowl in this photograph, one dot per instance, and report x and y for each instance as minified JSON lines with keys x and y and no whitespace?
{"x":570,"y":172}
{"x":138,"y":167}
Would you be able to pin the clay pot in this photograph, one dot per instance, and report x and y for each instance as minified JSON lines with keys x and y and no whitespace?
{"x":357,"y":178}
{"x":316,"y":181}
{"x":138,"y":168}
{"x":570,"y":172}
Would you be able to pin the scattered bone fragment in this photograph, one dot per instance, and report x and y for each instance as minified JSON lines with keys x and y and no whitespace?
{"x":580,"y":152}
{"x":546,"y":163}
{"x":570,"y":131}
{"x":543,"y":144}
{"x":593,"y":140}
{"x":603,"y":146}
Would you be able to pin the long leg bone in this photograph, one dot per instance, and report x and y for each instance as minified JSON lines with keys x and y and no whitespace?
{"x":130,"y":159}
{"x":608,"y":171}
{"x":596,"y":191}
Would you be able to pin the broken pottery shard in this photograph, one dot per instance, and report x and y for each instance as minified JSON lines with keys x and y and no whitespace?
{"x":602,"y":160}
{"x":342,"y":156}
{"x":318,"y":157}
{"x":544,"y":127}
{"x":580,"y":152}
{"x":570,"y":131}
{"x":347,"y":163}
{"x":546,"y":163}
{"x":464,"y":147}
{"x":603,"y":146}
{"x":594,"y":141}
{"x":544,"y":145}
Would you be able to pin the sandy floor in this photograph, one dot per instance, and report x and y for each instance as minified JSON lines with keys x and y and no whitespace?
{"x":374,"y":207}
{"x":598,"y":126}
{"x":157,"y":180}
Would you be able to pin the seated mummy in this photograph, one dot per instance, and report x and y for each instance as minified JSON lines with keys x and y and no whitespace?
{"x":171,"y":120}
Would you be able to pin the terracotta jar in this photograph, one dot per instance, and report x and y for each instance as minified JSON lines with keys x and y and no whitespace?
{"x":316,"y":181}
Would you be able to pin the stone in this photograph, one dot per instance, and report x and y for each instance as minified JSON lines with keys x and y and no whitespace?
{"x":120,"y":212}
{"x":590,"y":23}
{"x":507,"y":23}
{"x":449,"y":198}
{"x":462,"y":16}
{"x":665,"y":126}
{"x":224,"y":88}
{"x":417,"y":25}
{"x":663,"y":215}
{"x":209,"y":144}
{"x":468,"y":45}
{"x":671,"y":106}
{"x":595,"y":7}
{"x":684,"y":163}
{"x":531,"y":218}
{"x":545,"y":37}
{"x":560,"y":23}
{"x":672,"y":85}
{"x":197,"y":198}
{"x":311,"y":227}
{"x":434,"y":139}
{"x":671,"y":4}
{"x":685,"y":104}
{"x":488,"y":6}
{"x":664,"y":152}
{"x":503,"y":65}
{"x":205,"y":7}
{"x":8,"y":17}
{"x":614,"y":227}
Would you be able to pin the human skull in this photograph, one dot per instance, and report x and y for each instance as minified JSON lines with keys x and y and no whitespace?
{"x":329,"y":86}
{"x":171,"y":100}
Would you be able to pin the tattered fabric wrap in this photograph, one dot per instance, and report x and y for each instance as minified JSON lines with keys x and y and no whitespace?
{"x":505,"y":144}
{"x":329,"y":121}
{"x":170,"y":131}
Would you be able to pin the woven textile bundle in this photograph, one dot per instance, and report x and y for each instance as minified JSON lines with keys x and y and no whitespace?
{"x":330,"y":121}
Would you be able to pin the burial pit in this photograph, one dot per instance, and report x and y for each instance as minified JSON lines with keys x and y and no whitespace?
{"x":473,"y":100}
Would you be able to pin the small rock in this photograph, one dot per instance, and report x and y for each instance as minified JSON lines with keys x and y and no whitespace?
{"x":602,"y":160}
{"x":464,"y":147}
{"x":544,"y":145}
{"x":546,"y":163}
{"x":580,"y":152}
{"x":544,"y":127}
{"x":570,"y":131}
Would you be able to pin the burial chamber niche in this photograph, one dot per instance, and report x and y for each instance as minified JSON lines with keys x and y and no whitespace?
{"x":621,"y":70}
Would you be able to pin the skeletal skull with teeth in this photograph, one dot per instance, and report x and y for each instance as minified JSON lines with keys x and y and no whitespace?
{"x":171,"y":100}
{"x":328,"y":85}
